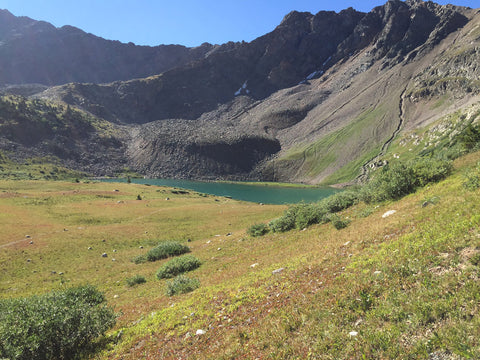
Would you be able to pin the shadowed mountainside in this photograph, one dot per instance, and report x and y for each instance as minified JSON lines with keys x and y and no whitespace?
{"x":316,"y":100}
{"x":37,"y":52}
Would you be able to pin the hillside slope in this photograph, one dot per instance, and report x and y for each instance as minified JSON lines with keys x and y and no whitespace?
{"x":385,"y":287}
{"x":38,"y":129}
{"x":317,"y":100}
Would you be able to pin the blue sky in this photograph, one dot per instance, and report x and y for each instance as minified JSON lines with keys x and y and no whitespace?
{"x":186,"y":22}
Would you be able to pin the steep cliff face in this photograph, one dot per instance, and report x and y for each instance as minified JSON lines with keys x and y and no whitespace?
{"x":37,"y":52}
{"x":315,"y":100}
{"x":301,"y":48}
{"x":298,"y":47}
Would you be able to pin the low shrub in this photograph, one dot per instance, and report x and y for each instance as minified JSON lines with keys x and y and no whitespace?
{"x":306,"y":214}
{"x":282,"y":224}
{"x":469,"y":138}
{"x":57,"y":325}
{"x":392,"y":182}
{"x":258,"y":230}
{"x":338,"y":222}
{"x":178,"y":266}
{"x":472,"y":179}
{"x":340,"y":201}
{"x":139,"y":259}
{"x":400,"y":179}
{"x":181,"y":284}
{"x":135,"y":280}
{"x":303,"y":215}
{"x":165,"y":250}
{"x":430,"y":170}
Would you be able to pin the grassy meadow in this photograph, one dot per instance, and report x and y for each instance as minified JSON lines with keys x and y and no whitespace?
{"x":404,"y":286}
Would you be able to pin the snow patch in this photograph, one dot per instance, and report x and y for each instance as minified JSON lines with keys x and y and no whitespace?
{"x":312,"y":75}
{"x":243,"y":89}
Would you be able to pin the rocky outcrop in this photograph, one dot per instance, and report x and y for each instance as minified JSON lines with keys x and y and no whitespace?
{"x":301,"y":45}
{"x":397,"y":28}
{"x":301,"y":48}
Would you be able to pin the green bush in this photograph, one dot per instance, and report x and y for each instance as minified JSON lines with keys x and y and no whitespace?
{"x":340,"y":201}
{"x":181,"y":285}
{"x":400,"y":179}
{"x":258,"y":230}
{"x":140,"y":259}
{"x":135,"y":280}
{"x":165,"y":250}
{"x":469,"y":138}
{"x":57,"y":325}
{"x":472,"y":179}
{"x":338,"y":222}
{"x":303,"y":215}
{"x":282,"y":224}
{"x":392,"y":182}
{"x":178,"y":266}
{"x":430,"y":170}
{"x":306,"y":214}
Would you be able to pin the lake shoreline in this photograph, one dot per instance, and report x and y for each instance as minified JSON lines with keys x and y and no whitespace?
{"x":256,"y":192}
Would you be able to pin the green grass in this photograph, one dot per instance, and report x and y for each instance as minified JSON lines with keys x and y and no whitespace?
{"x":360,"y":134}
{"x":407,"y":284}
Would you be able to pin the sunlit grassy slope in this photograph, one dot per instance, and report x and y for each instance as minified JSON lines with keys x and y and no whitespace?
{"x":401,"y":287}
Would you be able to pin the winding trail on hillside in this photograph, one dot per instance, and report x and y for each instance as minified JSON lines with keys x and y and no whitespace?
{"x":401,"y":116}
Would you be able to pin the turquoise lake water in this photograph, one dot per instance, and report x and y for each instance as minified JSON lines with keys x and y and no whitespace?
{"x":267,"y":194}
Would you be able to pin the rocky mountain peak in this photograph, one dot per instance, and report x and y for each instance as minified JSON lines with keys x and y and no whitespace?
{"x":295,"y":18}
{"x":190,"y":111}
{"x":48,"y":55}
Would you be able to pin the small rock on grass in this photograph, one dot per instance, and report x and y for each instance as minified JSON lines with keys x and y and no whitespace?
{"x":388,"y":213}
{"x":200,"y":332}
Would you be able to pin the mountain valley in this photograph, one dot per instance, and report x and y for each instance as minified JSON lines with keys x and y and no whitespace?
{"x":314,"y":101}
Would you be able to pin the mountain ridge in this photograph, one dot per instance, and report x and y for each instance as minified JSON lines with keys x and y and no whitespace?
{"x":318,"y":99}
{"x":52,"y":56}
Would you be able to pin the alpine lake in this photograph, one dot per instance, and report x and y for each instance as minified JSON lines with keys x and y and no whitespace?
{"x":266,"y":193}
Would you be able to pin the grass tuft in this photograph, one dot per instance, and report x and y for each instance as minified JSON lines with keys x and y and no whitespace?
{"x":136,"y":280}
